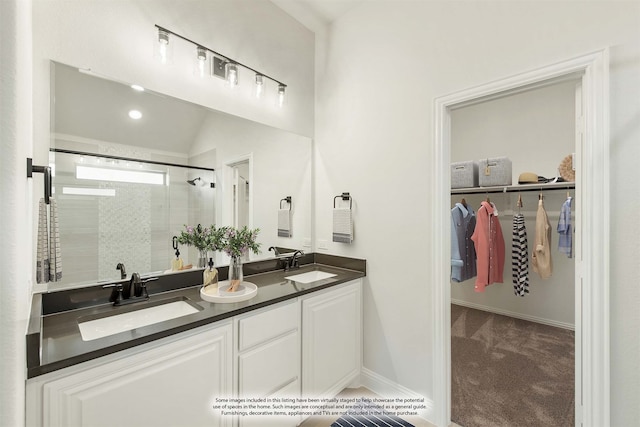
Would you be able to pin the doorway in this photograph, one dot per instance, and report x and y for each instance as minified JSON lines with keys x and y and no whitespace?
{"x":591,"y":265}
{"x":238,"y":193}
{"x":512,"y":344}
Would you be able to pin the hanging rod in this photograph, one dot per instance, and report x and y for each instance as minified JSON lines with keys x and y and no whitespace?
{"x":220,"y":55}
{"x":516,"y":188}
{"x":128,"y":159}
{"x":46,"y":170}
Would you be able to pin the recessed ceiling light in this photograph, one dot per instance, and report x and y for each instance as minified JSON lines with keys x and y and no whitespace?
{"x":135,"y":114}
{"x":138,"y":88}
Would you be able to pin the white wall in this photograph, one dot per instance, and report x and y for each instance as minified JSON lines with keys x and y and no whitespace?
{"x":15,"y":231}
{"x":384,"y":63}
{"x":535,"y":129}
{"x":281,"y":168}
{"x":115,"y":38}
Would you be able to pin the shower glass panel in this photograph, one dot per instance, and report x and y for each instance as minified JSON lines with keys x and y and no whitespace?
{"x":116,"y":209}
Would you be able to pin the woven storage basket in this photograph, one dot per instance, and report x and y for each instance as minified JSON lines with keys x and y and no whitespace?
{"x":494,"y":171}
{"x":464,"y":174}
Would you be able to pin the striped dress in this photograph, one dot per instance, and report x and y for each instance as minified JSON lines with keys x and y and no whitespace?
{"x":520,"y":257}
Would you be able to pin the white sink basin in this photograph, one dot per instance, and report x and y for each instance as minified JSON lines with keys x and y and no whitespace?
{"x":105,"y":326}
{"x":311,"y":276}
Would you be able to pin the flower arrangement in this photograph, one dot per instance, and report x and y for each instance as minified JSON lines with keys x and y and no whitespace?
{"x":202,"y":238}
{"x":237,"y":243}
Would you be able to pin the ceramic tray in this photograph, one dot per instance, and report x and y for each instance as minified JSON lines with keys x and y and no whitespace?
{"x":246,"y":290}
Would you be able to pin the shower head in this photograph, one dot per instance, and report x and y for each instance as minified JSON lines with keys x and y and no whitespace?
{"x":193,"y":181}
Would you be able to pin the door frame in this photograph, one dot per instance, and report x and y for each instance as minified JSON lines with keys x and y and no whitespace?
{"x":592,"y":259}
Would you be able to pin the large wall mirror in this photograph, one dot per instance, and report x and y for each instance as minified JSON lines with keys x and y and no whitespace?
{"x":173,"y":163}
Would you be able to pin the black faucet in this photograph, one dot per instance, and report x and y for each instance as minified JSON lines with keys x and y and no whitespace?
{"x":275,"y":251}
{"x":123,"y":272}
{"x":134,"y":290}
{"x":294,"y":261}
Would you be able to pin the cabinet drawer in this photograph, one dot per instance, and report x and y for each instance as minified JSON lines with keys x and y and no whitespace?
{"x":262,"y":327}
{"x":266,"y":369}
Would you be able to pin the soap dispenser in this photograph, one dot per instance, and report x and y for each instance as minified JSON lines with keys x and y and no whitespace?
{"x":210,"y":277}
{"x":176,"y":263}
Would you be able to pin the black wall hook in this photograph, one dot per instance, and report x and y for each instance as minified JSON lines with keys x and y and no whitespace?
{"x":46,"y":170}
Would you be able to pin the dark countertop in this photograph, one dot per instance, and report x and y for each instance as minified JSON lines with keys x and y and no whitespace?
{"x":56,"y":342}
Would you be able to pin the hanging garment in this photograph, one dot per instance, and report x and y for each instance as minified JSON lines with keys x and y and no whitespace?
{"x":489,"y":244}
{"x":565,"y":239}
{"x":541,"y":256}
{"x":463,"y":252}
{"x":520,"y":256}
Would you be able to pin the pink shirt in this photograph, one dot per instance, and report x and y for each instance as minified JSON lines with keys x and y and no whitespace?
{"x":489,"y":242}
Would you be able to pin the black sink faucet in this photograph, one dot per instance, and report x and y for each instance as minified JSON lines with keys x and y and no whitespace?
{"x":135,"y":286}
{"x":275,"y":251}
{"x":133,"y":291}
{"x":294,"y":261}
{"x":123,"y":272}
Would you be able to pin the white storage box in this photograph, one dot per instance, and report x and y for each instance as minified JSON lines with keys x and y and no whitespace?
{"x":494,"y":171}
{"x":464,"y":174}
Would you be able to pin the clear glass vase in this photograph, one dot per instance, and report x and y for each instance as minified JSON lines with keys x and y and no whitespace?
{"x":235,"y":273}
{"x":202,"y":258}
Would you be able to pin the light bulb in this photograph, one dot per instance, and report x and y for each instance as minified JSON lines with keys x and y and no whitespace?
{"x":163,"y":45}
{"x":281,"y":89}
{"x":259,"y":85}
{"x":232,"y":74}
{"x":202,"y":61}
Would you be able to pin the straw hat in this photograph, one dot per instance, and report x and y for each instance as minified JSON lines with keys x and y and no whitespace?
{"x":566,"y":169}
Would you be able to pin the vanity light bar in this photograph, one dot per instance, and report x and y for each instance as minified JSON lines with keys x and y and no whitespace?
{"x":230,"y":65}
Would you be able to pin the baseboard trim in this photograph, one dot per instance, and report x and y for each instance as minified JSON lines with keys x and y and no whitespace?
{"x":387,"y":388}
{"x":536,"y":319}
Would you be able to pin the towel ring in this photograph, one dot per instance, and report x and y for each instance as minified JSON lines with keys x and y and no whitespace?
{"x":344,"y":196}
{"x":287,"y":200}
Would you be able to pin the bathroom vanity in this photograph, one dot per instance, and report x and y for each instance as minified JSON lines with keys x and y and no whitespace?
{"x":294,"y":338}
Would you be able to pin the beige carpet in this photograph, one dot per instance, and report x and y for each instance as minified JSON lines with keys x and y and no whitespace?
{"x":510,"y":372}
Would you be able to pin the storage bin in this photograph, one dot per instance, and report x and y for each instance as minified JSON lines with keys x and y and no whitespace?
{"x":494,"y":171}
{"x":464,"y":174}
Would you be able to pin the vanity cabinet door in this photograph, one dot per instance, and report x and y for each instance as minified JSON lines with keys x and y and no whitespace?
{"x":171,"y":383}
{"x":331,"y":340}
{"x":268,"y":360}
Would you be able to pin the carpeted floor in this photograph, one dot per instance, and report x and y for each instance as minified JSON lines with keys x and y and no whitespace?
{"x":510,"y":372}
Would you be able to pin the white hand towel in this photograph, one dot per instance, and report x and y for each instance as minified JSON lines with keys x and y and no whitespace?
{"x":42,"y":262}
{"x":284,"y":222}
{"x":55,"y":259}
{"x":342,"y":225}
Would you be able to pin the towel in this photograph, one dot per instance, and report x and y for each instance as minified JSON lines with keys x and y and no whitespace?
{"x":42,"y":262}
{"x":342,"y":225}
{"x":284,"y":222}
{"x":55,"y":260}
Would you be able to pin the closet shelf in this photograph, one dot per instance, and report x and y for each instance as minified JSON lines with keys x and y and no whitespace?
{"x":516,"y":188}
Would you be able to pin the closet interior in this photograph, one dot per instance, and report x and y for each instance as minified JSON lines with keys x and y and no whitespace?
{"x":513,"y":354}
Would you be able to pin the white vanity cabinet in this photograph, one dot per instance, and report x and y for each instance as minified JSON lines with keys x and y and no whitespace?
{"x":331,"y":339}
{"x":309,"y":346}
{"x":170,"y":382}
{"x":268,"y":358}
